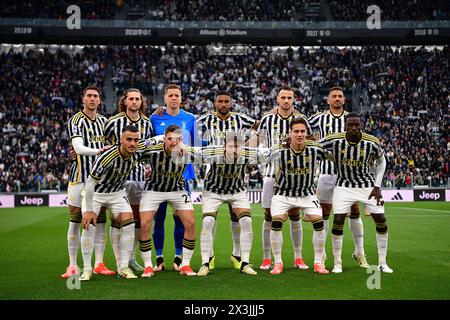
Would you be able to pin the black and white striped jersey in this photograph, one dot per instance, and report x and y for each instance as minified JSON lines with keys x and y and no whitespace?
{"x":213,"y":128}
{"x":325,"y":123}
{"x":275,"y":128}
{"x":354,"y":160}
{"x":91,"y":131}
{"x":226,"y":176}
{"x":113,"y":168}
{"x":167,"y":170}
{"x":113,"y":131}
{"x":295,"y":170}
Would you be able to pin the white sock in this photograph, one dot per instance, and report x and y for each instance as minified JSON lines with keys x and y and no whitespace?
{"x":87,"y":247}
{"x":326,"y":224}
{"x":73,"y":241}
{"x":135,"y":243}
{"x":382,"y":243}
{"x":337,"y":248}
{"x":213,"y":238}
{"x":114,"y":235}
{"x":297,"y":238}
{"x":246,"y":238}
{"x":126,"y":244}
{"x":266,"y":238}
{"x":206,"y":237}
{"x":276,"y":241}
{"x":187,"y":255}
{"x":100,"y":242}
{"x":236,"y":232}
{"x":357,"y":228}
{"x":318,"y":243}
{"x":146,"y":253}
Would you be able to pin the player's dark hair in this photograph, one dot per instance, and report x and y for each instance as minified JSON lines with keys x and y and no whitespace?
{"x":334,"y":89}
{"x":130,"y":128}
{"x":92,"y":87}
{"x":171,"y":86}
{"x":222,"y":93}
{"x":287,"y":88}
{"x":298,"y":120}
{"x":352,"y":115}
{"x":122,"y":105}
{"x":172,"y":128}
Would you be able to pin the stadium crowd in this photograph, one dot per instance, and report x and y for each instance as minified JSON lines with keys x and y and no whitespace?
{"x":393,"y":10}
{"x":222,"y":10}
{"x":403,"y":92}
{"x":39,"y":92}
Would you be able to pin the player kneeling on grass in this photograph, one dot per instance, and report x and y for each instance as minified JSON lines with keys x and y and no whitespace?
{"x":296,"y":164}
{"x":225,"y":184}
{"x":167,"y":184}
{"x":354,"y":154}
{"x":105,"y":188}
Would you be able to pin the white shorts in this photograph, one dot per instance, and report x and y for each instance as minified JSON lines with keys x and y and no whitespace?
{"x":75,"y":195}
{"x":116,"y":202}
{"x":211,"y":201}
{"x":134,"y":191}
{"x":267,"y":192}
{"x":344,"y":198}
{"x":282,"y":204}
{"x":179,"y":200}
{"x":325,"y":187}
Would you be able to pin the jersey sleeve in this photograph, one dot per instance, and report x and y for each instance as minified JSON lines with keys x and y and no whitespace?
{"x":74,"y":129}
{"x":109,"y":133}
{"x":247,"y":121}
{"x":195,"y":138}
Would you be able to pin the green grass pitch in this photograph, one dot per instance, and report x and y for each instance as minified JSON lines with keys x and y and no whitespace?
{"x":33,"y":250}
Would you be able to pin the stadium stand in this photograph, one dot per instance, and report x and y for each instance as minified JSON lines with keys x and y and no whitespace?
{"x":401,"y":91}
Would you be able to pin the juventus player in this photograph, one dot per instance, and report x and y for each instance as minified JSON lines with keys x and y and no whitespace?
{"x":326,"y":123}
{"x":167,"y":184}
{"x":273,"y":129}
{"x":294,"y":188}
{"x":132,"y":109}
{"x":213,"y":128}
{"x":224,"y":183}
{"x":354,"y":154}
{"x":86,"y":134}
{"x":105,"y":188}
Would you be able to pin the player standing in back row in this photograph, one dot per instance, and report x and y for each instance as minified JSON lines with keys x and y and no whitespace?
{"x":213,"y":128}
{"x":273,"y":129}
{"x":132,"y":107}
{"x":186,"y":121}
{"x":87,"y":138}
{"x":326,"y":123}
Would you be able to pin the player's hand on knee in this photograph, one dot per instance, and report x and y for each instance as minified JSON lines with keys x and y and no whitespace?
{"x":376,"y":193}
{"x":88,"y":218}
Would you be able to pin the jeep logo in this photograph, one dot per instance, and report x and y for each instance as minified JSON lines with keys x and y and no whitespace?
{"x":31,"y":200}
{"x":430,"y":195}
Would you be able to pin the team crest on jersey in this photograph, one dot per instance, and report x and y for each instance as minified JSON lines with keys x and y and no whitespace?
{"x":362,"y":152}
{"x":183,"y":124}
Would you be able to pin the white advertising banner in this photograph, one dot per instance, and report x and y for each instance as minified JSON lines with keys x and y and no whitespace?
{"x":7,"y":201}
{"x":397,"y":195}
